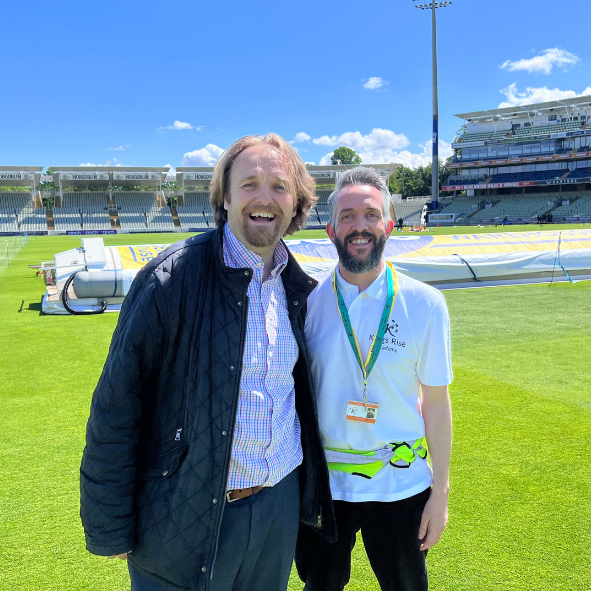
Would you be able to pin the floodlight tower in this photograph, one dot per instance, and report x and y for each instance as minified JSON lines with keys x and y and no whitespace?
{"x":433,"y":6}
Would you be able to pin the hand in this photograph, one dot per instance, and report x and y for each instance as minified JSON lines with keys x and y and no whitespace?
{"x":120,"y":556}
{"x":434,"y":519}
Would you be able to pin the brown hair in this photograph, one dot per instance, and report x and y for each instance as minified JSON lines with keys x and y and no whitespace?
{"x":300,"y":183}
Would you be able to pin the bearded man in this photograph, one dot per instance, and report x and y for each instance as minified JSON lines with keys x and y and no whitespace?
{"x":202,"y":449}
{"x":380,"y":349}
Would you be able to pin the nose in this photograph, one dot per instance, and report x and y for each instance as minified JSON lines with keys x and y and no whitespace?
{"x":265,"y":194}
{"x":360,"y":223}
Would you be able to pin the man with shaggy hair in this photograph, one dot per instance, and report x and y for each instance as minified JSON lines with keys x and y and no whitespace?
{"x":380,"y":350}
{"x":203,"y":451}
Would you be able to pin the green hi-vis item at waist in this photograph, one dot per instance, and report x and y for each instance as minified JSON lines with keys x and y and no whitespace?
{"x":368,"y":463}
{"x":374,"y":351}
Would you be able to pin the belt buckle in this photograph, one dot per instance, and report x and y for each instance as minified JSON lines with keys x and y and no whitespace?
{"x":228,"y":499}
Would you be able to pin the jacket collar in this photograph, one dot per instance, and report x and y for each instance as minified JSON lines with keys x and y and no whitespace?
{"x":296,"y":283}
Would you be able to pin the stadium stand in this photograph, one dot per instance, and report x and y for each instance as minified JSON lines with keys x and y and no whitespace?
{"x":131,"y":219}
{"x":580,"y":205}
{"x":135,"y":200}
{"x":196,"y":212}
{"x":410,"y":211}
{"x":580,"y":173}
{"x":515,"y":177}
{"x":525,"y":206}
{"x":95,"y":218}
{"x":535,"y":130}
{"x":33,"y":220}
{"x":85,"y":200}
{"x":67,"y":218}
{"x":160,"y":218}
{"x":464,"y":205}
{"x":8,"y":221}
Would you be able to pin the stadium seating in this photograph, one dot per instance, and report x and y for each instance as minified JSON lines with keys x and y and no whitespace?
{"x":475,"y":137}
{"x":196,"y":212}
{"x":525,"y":206}
{"x":519,"y":177}
{"x":160,"y":218}
{"x":580,"y":173}
{"x":33,"y":220}
{"x":580,"y":204}
{"x":67,"y":218}
{"x":522,"y":132}
{"x":138,"y":201}
{"x":410,"y":212}
{"x":95,"y":218}
{"x":85,"y":200}
{"x":464,"y":205}
{"x":8,"y":221}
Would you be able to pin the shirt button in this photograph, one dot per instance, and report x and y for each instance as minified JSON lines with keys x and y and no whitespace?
{"x":203,"y":569}
{"x":239,"y":303}
{"x":224,"y":433}
{"x":165,"y":473}
{"x":247,"y":273}
{"x":214,"y":501}
{"x":231,"y":368}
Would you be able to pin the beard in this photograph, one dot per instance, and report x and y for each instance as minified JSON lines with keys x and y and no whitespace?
{"x":263,"y":236}
{"x":354,"y":264}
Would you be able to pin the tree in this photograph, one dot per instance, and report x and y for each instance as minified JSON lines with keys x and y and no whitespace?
{"x":416,"y":182}
{"x":345,"y":156}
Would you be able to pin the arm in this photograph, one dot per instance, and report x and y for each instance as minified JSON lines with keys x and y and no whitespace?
{"x":107,"y":473}
{"x":436,"y":409}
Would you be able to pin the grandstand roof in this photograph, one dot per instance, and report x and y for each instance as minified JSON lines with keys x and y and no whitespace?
{"x":490,"y":114}
{"x":321,"y":173}
{"x":20,"y":176}
{"x":71,"y":176}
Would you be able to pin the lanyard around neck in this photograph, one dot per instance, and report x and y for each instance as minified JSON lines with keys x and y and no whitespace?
{"x":374,"y":351}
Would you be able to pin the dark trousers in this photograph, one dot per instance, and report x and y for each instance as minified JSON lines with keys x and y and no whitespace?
{"x":390,"y":535}
{"x":257,"y":542}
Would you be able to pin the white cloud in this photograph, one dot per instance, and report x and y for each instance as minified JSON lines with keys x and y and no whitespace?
{"x":405,"y":157}
{"x":378,"y":139}
{"x":118,"y":148}
{"x":544,"y":62}
{"x":301,"y":137}
{"x":207,"y":156}
{"x":537,"y":95}
{"x":172,"y":170}
{"x":374,"y":83}
{"x":180,"y":125}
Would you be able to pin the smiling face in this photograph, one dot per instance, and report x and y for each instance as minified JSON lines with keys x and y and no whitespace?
{"x":259,"y":205}
{"x":360,"y":231}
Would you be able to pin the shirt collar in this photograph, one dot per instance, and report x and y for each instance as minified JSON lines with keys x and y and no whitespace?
{"x":378,"y":290}
{"x":237,"y":255}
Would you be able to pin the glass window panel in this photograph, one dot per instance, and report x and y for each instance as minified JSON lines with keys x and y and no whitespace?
{"x":516,"y":150}
{"x":527,"y":149}
{"x":541,"y":167}
{"x":554,"y":166}
{"x":535,"y":148}
{"x":503,"y":150}
{"x":530,"y":168}
{"x":492,"y":150}
{"x":482,"y":152}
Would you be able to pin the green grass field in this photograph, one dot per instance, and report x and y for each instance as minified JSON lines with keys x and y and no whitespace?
{"x":520,"y":506}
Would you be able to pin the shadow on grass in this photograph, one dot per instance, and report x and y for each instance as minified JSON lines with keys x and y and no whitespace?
{"x":35,"y":307}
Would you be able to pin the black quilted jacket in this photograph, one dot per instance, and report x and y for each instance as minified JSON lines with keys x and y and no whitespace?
{"x":159,"y":436}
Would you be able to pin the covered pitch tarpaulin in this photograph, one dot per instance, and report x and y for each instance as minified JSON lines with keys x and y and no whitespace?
{"x":448,"y":262}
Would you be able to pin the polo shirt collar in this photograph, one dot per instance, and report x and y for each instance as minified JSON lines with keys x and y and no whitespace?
{"x":378,"y":290}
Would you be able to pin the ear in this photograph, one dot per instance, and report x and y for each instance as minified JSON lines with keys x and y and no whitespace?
{"x":226,"y":202}
{"x":330,"y":232}
{"x":389,"y":228}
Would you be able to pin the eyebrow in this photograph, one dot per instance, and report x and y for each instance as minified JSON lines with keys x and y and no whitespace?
{"x":347,"y":209}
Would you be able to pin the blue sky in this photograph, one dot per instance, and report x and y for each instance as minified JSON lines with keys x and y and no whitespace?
{"x":90,"y":82}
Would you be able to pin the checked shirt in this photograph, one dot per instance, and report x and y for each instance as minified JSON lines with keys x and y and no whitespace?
{"x":267,"y":443}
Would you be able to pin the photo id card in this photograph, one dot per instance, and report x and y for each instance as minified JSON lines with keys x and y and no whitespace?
{"x":362,"y":413}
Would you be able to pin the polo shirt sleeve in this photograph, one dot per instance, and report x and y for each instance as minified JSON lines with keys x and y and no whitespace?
{"x":434,"y":363}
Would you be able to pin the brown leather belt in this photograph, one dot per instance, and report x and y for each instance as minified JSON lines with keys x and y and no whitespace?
{"x":242,"y":493}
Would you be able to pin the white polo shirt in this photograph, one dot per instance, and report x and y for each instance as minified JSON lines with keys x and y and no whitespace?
{"x":416,"y":347}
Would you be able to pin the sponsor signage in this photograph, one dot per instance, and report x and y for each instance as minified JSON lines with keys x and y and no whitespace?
{"x":578,"y":218}
{"x":543,"y":158}
{"x":13,"y":175}
{"x":322,"y":174}
{"x":490,"y":186}
{"x":84,"y":176}
{"x":89,"y":232}
{"x":136,"y":176}
{"x":197,"y":176}
{"x":468,"y":144}
{"x":442,"y":217}
{"x":566,"y":181}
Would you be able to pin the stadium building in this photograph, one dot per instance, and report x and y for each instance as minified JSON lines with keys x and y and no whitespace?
{"x":113,"y":199}
{"x":522,"y":162}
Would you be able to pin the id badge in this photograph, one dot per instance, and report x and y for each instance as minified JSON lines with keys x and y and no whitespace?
{"x":362,"y":413}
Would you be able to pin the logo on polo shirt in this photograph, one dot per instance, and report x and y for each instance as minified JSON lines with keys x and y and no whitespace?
{"x":389,"y":342}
